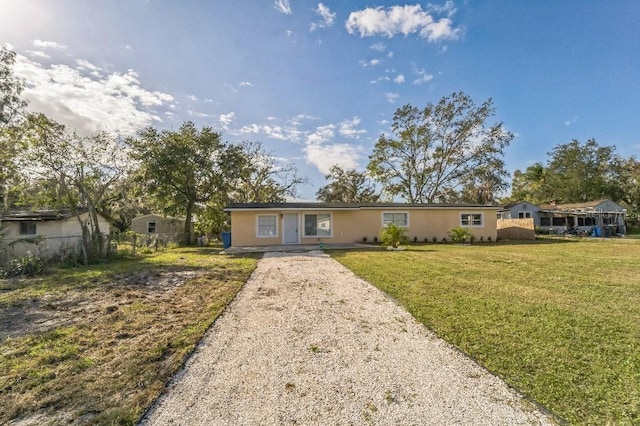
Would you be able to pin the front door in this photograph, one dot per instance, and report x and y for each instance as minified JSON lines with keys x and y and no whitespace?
{"x":290,"y":227}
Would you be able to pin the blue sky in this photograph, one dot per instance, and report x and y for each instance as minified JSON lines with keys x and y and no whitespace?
{"x":317,"y":83}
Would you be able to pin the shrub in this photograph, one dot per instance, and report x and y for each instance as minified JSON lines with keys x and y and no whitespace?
{"x":364,"y":239}
{"x":460,"y":235}
{"x":393,"y":235}
{"x":415,"y":240}
{"x":434,"y":239}
{"x":23,"y":265}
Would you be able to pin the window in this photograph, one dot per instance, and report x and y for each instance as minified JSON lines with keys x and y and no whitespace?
{"x":471,"y":219}
{"x":401,"y":220}
{"x":267,"y":226}
{"x":545,"y":221}
{"x":27,"y":228}
{"x":586,"y":221}
{"x":524,"y":215}
{"x":151,"y":227}
{"x":317,"y":225}
{"x":558,"y":221}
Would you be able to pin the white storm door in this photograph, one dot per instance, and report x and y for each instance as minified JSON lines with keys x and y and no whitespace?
{"x":290,"y":228}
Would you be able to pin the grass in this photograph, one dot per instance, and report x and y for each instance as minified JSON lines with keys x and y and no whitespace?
{"x":121,"y":339}
{"x":557,"y":319}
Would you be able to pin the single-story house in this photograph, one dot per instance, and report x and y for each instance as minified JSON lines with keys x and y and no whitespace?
{"x":157,"y":224}
{"x":263,"y":224}
{"x":48,"y":233}
{"x":600,"y":217}
{"x":520,"y":210}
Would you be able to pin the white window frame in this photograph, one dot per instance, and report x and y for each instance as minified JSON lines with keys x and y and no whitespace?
{"x":395,"y":213}
{"x":524,"y":215}
{"x":471,"y":225}
{"x":304,"y":223}
{"x":155,"y":227}
{"x":275,"y":217}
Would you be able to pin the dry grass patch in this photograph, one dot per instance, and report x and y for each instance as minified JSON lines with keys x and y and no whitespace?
{"x":96,"y":345}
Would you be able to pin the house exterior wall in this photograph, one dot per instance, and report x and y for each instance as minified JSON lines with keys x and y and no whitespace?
{"x":164,"y":225}
{"x":514,"y":211}
{"x":352,"y":225}
{"x":54,"y":237}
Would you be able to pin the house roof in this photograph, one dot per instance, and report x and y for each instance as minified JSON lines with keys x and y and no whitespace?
{"x":589,"y":205}
{"x":40,"y":215}
{"x":349,"y":206}
{"x":158,"y":216}
{"x":34,"y":215}
{"x":515,"y":203}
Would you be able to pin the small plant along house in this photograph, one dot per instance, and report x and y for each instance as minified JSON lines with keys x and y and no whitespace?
{"x":263,"y":224}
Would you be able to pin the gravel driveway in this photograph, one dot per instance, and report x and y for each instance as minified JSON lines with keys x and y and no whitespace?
{"x":307,"y":342}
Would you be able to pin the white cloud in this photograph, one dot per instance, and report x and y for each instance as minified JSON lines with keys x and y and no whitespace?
{"x":274,"y":132}
{"x":38,"y":54}
{"x":573,"y":120}
{"x":399,"y":79}
{"x":379,"y":47}
{"x":48,"y":44}
{"x":391,"y":97}
{"x":370,"y":63}
{"x":89,"y":102}
{"x":321,"y":134}
{"x":348,"y":128}
{"x":192,"y":98}
{"x":226,"y":119}
{"x":408,"y":19}
{"x":326,"y":156}
{"x":283,"y":6}
{"x":326,"y":17}
{"x":197,"y":114}
{"x":379,"y":79}
{"x":246,"y":84}
{"x":423,"y":77}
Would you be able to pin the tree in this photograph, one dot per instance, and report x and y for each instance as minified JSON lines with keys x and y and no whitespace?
{"x":436,"y":150}
{"x":11,"y":127}
{"x":259,"y":178}
{"x":185,"y":168}
{"x":75,"y":172}
{"x":11,"y":105}
{"x":530,"y":185}
{"x":579,"y":172}
{"x":263,"y":179}
{"x":628,"y":171}
{"x":347,"y":186}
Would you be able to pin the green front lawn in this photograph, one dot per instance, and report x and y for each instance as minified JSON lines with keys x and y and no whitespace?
{"x":557,"y":319}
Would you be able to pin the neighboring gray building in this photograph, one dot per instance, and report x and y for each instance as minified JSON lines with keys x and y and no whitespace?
{"x":598,"y":218}
{"x":520,"y":210}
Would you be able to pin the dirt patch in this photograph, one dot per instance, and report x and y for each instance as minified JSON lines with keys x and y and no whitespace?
{"x":45,"y":313}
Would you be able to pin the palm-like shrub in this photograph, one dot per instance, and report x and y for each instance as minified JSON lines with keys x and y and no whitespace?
{"x":392,"y":235}
{"x":460,"y":235}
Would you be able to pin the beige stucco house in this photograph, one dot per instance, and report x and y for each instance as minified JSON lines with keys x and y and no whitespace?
{"x":47,"y":233}
{"x":263,"y":224}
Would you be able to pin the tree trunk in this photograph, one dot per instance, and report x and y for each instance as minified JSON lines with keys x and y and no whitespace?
{"x":187,"y":225}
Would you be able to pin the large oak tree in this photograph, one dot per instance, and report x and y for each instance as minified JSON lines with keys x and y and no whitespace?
{"x":347,"y":186}
{"x":435,"y":151}
{"x":185,"y":168}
